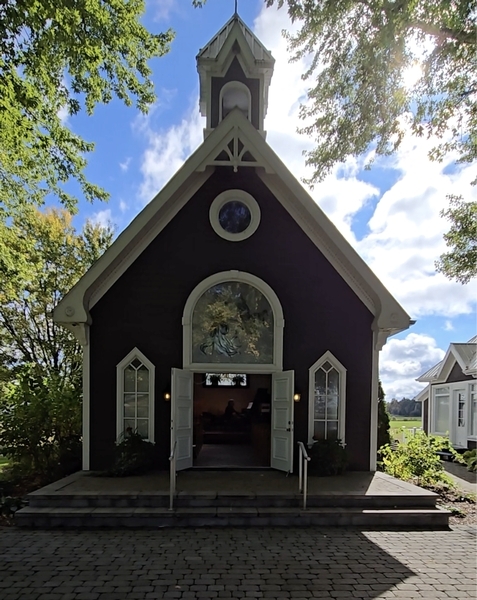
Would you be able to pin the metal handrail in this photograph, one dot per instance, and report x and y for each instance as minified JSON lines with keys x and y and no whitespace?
{"x":172,"y":480}
{"x":303,"y":461}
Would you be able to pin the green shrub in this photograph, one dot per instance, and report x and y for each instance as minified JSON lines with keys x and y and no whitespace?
{"x":470,"y":458}
{"x":40,"y":424}
{"x":133,"y":456}
{"x":328,"y":457}
{"x":418,"y":460}
{"x":383,"y":419}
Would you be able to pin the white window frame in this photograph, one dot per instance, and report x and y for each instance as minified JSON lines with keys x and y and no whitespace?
{"x":472,"y":435}
{"x":334,"y":362}
{"x":434,"y":409}
{"x":237,"y":85}
{"x":239,"y":196}
{"x":120,"y":367}
{"x":278,"y":325}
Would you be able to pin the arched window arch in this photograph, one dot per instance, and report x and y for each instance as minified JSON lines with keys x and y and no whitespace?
{"x":135,"y":395}
{"x":233,"y":319}
{"x":327,"y":398}
{"x":235,"y":94}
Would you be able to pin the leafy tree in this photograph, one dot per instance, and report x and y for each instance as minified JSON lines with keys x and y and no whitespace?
{"x":359,"y":54}
{"x":405,"y":407}
{"x":41,"y":258}
{"x":383,"y":418}
{"x":61,"y":57}
{"x":461,"y":261}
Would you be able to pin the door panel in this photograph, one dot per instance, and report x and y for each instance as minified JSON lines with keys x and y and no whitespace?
{"x":282,"y":421}
{"x":460,"y":416}
{"x":182,"y":417}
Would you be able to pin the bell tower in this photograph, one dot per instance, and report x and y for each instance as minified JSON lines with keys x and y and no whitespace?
{"x":235,"y":70}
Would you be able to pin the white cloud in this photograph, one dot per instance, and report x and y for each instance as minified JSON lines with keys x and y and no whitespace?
{"x":63,"y":115}
{"x":406,"y":230}
{"x":448,"y":326}
{"x":162,"y":8}
{"x":402,"y":360}
{"x":125,"y":164}
{"x":102,"y":217}
{"x":167,"y":150}
{"x":123,"y":206}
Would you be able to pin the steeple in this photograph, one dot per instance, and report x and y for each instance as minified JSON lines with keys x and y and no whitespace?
{"x":235,"y":69}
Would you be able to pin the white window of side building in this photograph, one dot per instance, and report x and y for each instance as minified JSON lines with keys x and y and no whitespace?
{"x":473,"y":409}
{"x":441,"y":397}
{"x":135,"y":396}
{"x":327,"y":390}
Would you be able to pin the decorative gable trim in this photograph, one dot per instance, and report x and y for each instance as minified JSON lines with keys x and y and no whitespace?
{"x":235,"y":151}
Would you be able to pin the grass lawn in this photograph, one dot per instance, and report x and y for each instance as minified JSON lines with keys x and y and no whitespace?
{"x":397,"y":425}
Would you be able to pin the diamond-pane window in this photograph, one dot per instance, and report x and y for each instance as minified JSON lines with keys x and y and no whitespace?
{"x":327,"y":396}
{"x":136,"y":398}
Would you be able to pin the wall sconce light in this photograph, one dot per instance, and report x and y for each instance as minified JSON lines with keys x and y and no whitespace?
{"x":167,"y":394}
{"x":296,"y":396}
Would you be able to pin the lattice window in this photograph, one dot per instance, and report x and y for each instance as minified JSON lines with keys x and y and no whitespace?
{"x":135,"y":376}
{"x":327,"y":398}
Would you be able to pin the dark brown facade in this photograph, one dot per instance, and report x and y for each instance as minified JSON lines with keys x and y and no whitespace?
{"x":457,"y":374}
{"x":144,"y":309}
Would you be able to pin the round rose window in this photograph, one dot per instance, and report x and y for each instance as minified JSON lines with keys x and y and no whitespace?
{"x":234,"y":215}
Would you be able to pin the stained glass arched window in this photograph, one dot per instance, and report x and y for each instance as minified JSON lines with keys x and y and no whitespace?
{"x":232,"y":322}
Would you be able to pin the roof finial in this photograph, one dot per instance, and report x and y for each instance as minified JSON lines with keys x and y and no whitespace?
{"x":236,"y":7}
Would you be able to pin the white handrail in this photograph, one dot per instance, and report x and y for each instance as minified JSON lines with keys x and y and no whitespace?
{"x":303,"y":461}
{"x":172,"y":481}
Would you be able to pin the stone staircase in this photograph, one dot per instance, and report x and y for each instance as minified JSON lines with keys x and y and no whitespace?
{"x":52,"y":507}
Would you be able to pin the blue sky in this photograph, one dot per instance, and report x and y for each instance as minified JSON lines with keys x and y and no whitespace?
{"x":390,"y":214}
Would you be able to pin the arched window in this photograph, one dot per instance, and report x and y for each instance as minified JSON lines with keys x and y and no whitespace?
{"x":327,"y":396}
{"x":233,"y":319}
{"x":135,"y":396}
{"x":235,"y":94}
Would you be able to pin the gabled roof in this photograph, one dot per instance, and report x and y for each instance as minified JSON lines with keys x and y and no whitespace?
{"x":464,"y":354}
{"x":423,"y":395}
{"x":244,"y":147}
{"x":214,"y":46}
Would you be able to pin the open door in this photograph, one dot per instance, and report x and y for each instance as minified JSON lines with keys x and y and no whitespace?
{"x":283,"y":385}
{"x":182,"y":417}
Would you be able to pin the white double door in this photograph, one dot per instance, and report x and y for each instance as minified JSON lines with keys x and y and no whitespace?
{"x":182,"y":419}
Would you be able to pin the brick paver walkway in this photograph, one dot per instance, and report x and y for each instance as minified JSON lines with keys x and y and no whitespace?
{"x":236,"y":563}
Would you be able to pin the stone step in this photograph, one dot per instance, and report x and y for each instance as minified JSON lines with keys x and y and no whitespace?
{"x":214,"y":500}
{"x":415,"y":518}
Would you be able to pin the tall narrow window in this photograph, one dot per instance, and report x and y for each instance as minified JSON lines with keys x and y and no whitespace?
{"x":473,"y":409}
{"x":135,"y":408}
{"x":327,"y":399}
{"x":441,"y":409}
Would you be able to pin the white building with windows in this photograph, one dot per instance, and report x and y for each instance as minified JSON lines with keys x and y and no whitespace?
{"x":450,"y":400}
